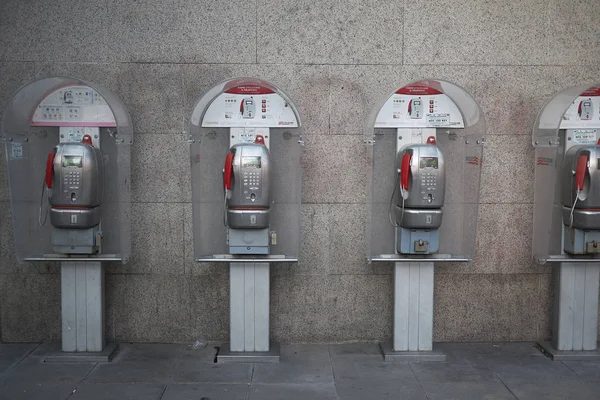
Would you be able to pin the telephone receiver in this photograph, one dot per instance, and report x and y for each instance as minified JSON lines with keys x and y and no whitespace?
{"x":87,"y":139}
{"x":228,"y":167}
{"x":405,"y":169}
{"x":580,"y":174}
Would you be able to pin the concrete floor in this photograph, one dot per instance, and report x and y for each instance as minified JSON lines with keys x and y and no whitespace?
{"x":354,"y":371}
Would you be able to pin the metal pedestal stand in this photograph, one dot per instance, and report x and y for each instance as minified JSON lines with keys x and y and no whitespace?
{"x":82,"y":301}
{"x":249,"y":315}
{"x":413,"y":314}
{"x":575,"y":322}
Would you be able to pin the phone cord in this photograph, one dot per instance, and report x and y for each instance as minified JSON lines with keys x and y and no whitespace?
{"x":42,"y":223}
{"x":225,"y":209}
{"x":394,"y":224}
{"x":573,"y":208}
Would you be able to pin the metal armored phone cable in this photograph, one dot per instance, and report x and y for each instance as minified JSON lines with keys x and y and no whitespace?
{"x":573,"y":208}
{"x":40,"y":222}
{"x":395,"y":224}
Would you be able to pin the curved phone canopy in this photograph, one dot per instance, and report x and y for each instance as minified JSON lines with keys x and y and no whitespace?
{"x":17,"y":116}
{"x":426,"y":111}
{"x":571,"y":117}
{"x":209,"y":113}
{"x":42,"y":114}
{"x":238,"y":111}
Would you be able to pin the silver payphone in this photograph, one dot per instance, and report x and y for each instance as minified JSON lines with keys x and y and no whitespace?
{"x":567,"y":190}
{"x":580,"y":175}
{"x":247,"y":183}
{"x":581,"y":199}
{"x":419,"y":189}
{"x":75,"y":184}
{"x":421,"y":197}
{"x":74,"y":180}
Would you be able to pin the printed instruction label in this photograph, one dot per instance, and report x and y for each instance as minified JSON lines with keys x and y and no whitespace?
{"x":584,"y":136}
{"x":16,"y":151}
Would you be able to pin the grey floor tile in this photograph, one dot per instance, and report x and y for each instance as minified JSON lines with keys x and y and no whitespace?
{"x":375,"y":389}
{"x":586,"y":370}
{"x":27,"y":390}
{"x":139,"y":363}
{"x":370,"y":367}
{"x":193,"y":370}
{"x":292,"y":391}
{"x":212,"y":391}
{"x":151,"y":352}
{"x":354,"y":349}
{"x":10,"y":354}
{"x":131,"y":371}
{"x":478,"y":350}
{"x":299,"y":364}
{"x":452,"y":372}
{"x":118,"y":391}
{"x":33,"y":370}
{"x":558,"y":389}
{"x":467,"y":391}
{"x":532,"y":367}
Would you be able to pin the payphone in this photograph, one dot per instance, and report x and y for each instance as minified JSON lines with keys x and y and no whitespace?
{"x":566,"y":226}
{"x":75,"y":184}
{"x":419,"y":188}
{"x":421,"y":197}
{"x":245,"y":148}
{"x":68,"y":146}
{"x":425,"y":143}
{"x":74,"y":178}
{"x":581,"y":175}
{"x":247,"y":183}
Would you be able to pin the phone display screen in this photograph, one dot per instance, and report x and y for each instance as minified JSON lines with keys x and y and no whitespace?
{"x":72,"y":161}
{"x":428,"y":162}
{"x":252,"y":162}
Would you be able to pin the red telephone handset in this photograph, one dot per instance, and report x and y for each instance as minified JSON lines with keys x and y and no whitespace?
{"x":50,"y":169}
{"x":580,"y":173}
{"x":405,"y":170}
{"x":228,"y":171}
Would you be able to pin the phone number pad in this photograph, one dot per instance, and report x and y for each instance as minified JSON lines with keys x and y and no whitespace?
{"x":252,"y":179}
{"x":72,"y":178}
{"x":429,"y":180}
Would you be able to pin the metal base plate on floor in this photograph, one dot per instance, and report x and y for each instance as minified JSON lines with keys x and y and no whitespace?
{"x":227,"y":356}
{"x":389,"y":355}
{"x":56,"y":355}
{"x":561,"y":355}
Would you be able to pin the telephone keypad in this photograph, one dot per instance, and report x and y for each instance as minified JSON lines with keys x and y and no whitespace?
{"x":252,"y":179}
{"x":72,"y":179}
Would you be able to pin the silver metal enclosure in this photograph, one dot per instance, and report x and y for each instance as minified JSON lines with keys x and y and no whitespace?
{"x":265,"y":226}
{"x":30,"y":131}
{"x":415,"y":110}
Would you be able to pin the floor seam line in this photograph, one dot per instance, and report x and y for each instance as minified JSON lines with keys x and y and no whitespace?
{"x":505,"y":385}
{"x":418,"y":381}
{"x":5,"y":373}
{"x":332,"y":372}
{"x":83,"y":380}
{"x":163,"y":392}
